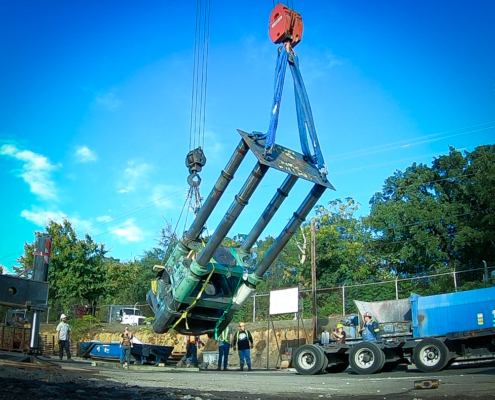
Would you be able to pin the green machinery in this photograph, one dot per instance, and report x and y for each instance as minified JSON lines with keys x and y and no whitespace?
{"x":201,"y":286}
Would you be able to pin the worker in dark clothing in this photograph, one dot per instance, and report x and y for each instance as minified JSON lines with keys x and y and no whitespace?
{"x":370,"y":329}
{"x":192,"y":350}
{"x":126,"y":345}
{"x":224,"y":340}
{"x":244,"y":341}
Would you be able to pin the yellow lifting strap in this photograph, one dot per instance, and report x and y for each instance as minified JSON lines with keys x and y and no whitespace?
{"x":154,"y":286}
{"x":195,"y":301}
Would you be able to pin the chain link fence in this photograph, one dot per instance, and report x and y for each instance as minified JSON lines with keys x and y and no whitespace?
{"x":340,"y":300}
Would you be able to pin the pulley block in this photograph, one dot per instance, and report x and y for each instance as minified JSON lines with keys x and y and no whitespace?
{"x":195,"y":161}
{"x":285,"y":25}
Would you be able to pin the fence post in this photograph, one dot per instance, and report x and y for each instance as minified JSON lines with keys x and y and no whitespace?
{"x":343,"y":301}
{"x":254,"y":308}
{"x":455,"y":280}
{"x":396,"y":289}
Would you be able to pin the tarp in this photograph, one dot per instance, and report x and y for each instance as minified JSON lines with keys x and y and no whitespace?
{"x":386,"y":311}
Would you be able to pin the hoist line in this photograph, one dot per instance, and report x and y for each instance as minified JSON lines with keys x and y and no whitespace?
{"x":196,"y":72}
{"x":193,"y":86}
{"x":200,"y":74}
{"x":204,"y":74}
{"x":206,"y":77}
{"x":180,"y":216}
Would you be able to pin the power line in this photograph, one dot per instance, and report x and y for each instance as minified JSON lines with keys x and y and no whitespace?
{"x":140,"y":208}
{"x":8,"y":255}
{"x":382,"y":164}
{"x":150,"y":204}
{"x":135,"y":210}
{"x":410,"y":142}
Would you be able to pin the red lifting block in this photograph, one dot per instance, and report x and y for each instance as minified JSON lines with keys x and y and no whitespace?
{"x":285,"y":25}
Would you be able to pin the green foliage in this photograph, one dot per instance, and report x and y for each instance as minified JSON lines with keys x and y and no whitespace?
{"x":128,"y":282}
{"x":147,"y":327}
{"x":426,"y":220}
{"x":75,"y":274}
{"x":83,"y":327}
{"x":441,"y":216}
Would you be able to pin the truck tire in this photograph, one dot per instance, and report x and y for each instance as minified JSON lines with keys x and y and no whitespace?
{"x":309,"y":359}
{"x":366,"y":358}
{"x":325,"y":360}
{"x":431,"y":355}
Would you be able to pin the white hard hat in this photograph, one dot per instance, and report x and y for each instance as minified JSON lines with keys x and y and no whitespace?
{"x":63,"y":316}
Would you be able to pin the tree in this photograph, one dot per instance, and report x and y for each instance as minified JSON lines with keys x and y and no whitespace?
{"x":342,"y":245}
{"x":440,"y":217}
{"x":76,"y":272}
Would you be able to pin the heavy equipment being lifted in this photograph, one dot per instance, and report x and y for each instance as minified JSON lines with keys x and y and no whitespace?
{"x":201,"y":286}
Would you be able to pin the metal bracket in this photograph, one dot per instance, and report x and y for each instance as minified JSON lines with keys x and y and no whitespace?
{"x":285,"y":160}
{"x":23,"y":293}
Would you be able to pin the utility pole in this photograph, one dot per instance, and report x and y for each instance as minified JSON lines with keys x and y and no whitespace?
{"x":313,"y":277}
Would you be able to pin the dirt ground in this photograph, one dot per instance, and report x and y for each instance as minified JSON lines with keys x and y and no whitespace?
{"x":79,"y":380}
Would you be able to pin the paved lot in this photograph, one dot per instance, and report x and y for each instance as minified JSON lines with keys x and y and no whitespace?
{"x":472,"y":381}
{"x":80,"y":380}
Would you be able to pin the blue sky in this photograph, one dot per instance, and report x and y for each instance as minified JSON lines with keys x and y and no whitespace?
{"x":96,"y":96}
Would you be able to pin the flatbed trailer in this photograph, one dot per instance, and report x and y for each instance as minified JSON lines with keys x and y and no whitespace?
{"x":439,"y":330}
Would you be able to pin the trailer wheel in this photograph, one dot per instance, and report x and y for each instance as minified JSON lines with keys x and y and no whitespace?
{"x":337,"y":368}
{"x":309,"y":359}
{"x":430,"y":355}
{"x":325,"y":359}
{"x":366,"y":358}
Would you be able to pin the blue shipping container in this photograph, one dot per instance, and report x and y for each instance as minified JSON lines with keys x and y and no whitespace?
{"x":453,"y":312}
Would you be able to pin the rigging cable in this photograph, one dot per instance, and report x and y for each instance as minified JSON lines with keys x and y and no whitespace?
{"x":196,"y":159}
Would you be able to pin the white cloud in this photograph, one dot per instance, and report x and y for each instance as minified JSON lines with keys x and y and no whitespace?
{"x":41,"y":218}
{"x":107,"y":101}
{"x":129,"y":232}
{"x":36,"y":171}
{"x":85,"y":155}
{"x":133,"y":175}
{"x":104,"y":218}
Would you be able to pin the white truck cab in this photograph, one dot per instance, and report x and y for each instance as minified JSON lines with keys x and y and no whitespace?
{"x":130,"y":316}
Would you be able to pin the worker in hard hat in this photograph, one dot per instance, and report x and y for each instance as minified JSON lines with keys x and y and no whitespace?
{"x":126,"y":339}
{"x":63,"y":329}
{"x":370,"y":329}
{"x":339,"y":334}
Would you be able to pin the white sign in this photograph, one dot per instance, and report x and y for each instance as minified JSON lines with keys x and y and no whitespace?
{"x":284,"y":301}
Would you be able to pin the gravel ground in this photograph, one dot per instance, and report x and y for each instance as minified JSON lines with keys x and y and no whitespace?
{"x":79,"y":380}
